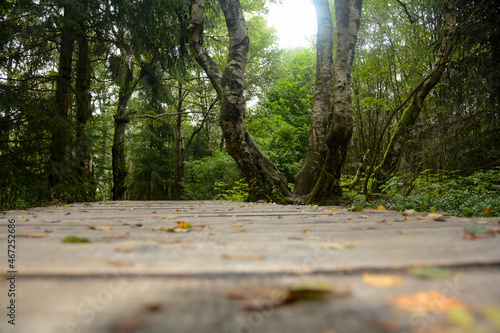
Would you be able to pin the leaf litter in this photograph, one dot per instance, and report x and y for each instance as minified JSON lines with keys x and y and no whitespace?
{"x":260,"y":298}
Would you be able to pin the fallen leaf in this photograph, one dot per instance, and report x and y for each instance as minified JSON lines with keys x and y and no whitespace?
{"x":117,"y":236}
{"x":461,"y":316}
{"x":337,"y":246}
{"x":74,"y":239}
{"x":119,"y":263}
{"x":356,"y":208}
{"x":305,"y":231}
{"x":153,"y":306}
{"x":316,"y":290}
{"x":425,"y":302}
{"x":487,"y":211}
{"x":477,"y":232}
{"x":130,"y":325}
{"x":240,"y":257}
{"x":237,"y":225}
{"x":430,"y":272}
{"x":402,"y":232}
{"x":381,"y":208}
{"x":364,"y":216}
{"x":493,"y":316}
{"x":258,"y":298}
{"x":410,"y":211}
{"x":184,"y":225}
{"x":382,"y":280}
{"x":32,"y":235}
{"x":382,"y":325}
{"x":123,"y":249}
{"x":100,"y":228}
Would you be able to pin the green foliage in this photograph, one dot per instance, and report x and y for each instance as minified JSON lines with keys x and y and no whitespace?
{"x":239,"y":192}
{"x":282,"y":142}
{"x":203,"y":178}
{"x":447,"y":192}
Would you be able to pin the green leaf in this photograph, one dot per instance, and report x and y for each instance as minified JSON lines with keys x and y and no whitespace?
{"x":430,"y":272}
{"x":74,"y":239}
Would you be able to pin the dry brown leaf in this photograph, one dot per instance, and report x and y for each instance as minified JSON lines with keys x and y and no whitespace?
{"x":153,"y":306}
{"x":123,"y":249}
{"x":487,"y":211}
{"x":426,"y":302}
{"x":240,"y":257}
{"x":119,"y":263}
{"x":382,"y":280}
{"x":101,"y":228}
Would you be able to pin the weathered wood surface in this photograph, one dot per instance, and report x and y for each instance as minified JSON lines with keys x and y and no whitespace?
{"x":107,"y":285}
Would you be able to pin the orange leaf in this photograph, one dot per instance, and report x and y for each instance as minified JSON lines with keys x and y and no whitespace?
{"x":184,"y":225}
{"x":381,"y":208}
{"x":382,"y":281}
{"x":426,"y":301}
{"x":487,"y":211}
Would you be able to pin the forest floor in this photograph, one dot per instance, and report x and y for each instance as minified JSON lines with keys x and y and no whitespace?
{"x":217,"y":266}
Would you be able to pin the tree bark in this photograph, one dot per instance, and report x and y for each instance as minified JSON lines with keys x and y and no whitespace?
{"x":178,"y":150}
{"x":321,"y":105}
{"x":327,"y":188}
{"x":394,"y":151}
{"x":59,"y":167}
{"x":122,"y":118}
{"x":264,"y":179}
{"x":83,"y":113}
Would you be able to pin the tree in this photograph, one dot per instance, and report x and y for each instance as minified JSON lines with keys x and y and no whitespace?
{"x":394,"y":150}
{"x":338,"y":137}
{"x":59,"y":161}
{"x":317,"y":149}
{"x":264,"y":179}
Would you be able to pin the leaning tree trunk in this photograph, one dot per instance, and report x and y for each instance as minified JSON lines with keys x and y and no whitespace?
{"x":83,"y":113}
{"x":264,"y":179}
{"x":59,"y":148}
{"x":122,"y":118}
{"x":316,"y":149}
{"x":348,"y":16}
{"x":394,"y":151}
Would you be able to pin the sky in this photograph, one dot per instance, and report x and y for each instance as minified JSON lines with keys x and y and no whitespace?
{"x":294,"y":21}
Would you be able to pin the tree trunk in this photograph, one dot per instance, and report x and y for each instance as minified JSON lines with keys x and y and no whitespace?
{"x":394,"y":151}
{"x":59,"y":167}
{"x":264,"y":179}
{"x":178,"y":150}
{"x":348,"y":16}
{"x":122,"y":118}
{"x":83,"y":114}
{"x":316,"y":149}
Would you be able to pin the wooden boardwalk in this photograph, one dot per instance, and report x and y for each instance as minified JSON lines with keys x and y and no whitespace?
{"x":233,"y":270}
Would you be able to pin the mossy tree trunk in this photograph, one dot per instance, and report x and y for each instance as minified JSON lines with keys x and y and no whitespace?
{"x":83,"y":151}
{"x":321,"y":105}
{"x":61,"y":133}
{"x":338,"y":138}
{"x":264,"y":179}
{"x":122,"y":118}
{"x":394,"y":151}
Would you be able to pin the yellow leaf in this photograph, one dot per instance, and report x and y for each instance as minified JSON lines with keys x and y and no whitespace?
{"x":382,"y":281}
{"x":425,"y":302}
{"x":461,"y":316}
{"x":237,"y":225}
{"x":381,"y":208}
{"x":305,"y":231}
{"x":337,"y":246}
{"x":31,"y":235}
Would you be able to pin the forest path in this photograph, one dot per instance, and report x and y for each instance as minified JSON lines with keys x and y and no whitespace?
{"x":141,"y":273}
